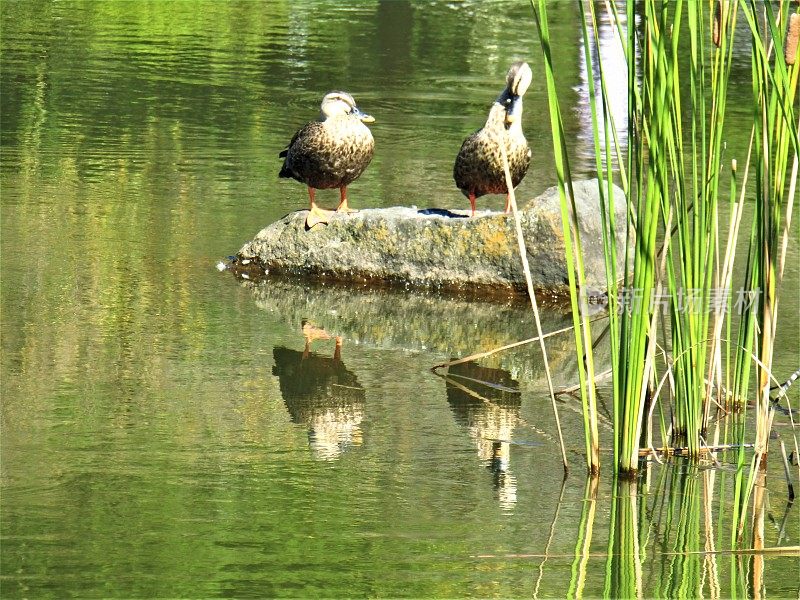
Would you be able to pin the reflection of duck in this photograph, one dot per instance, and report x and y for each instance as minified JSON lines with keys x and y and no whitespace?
{"x":487,"y":402}
{"x":330,"y":153}
{"x":479,"y":165}
{"x":312,"y":333}
{"x":323,"y":395}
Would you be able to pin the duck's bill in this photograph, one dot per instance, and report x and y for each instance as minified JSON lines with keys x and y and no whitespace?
{"x":365,"y":118}
{"x":514,"y":112}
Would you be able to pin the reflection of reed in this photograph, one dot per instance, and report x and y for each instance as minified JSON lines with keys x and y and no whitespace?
{"x":486,"y":401}
{"x":585,"y":534}
{"x":677,"y":525}
{"x":710,"y":571}
{"x":323,"y":395}
{"x":550,"y":537}
{"x":683,"y":567}
{"x":623,"y":545}
{"x":782,"y":525}
{"x":759,"y":505}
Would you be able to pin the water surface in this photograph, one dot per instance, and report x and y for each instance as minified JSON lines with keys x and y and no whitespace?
{"x":169,"y":431}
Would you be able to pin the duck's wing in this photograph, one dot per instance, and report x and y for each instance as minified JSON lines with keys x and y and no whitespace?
{"x":301,"y":143}
{"x":468,"y":160}
{"x":285,"y":151}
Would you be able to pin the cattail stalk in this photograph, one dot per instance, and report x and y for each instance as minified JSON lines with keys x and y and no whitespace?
{"x":792,"y":36}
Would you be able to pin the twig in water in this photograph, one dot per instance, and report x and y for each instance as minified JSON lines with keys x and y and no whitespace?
{"x":523,"y":252}
{"x":480,"y":355}
{"x":787,"y":472}
{"x":682,"y":450}
{"x":574,"y":388}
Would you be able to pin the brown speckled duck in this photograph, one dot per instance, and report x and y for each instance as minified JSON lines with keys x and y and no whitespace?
{"x":330,"y":153}
{"x":479,"y":164}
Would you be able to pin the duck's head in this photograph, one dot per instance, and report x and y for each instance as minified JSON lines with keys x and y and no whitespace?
{"x":518,"y":79}
{"x":340,"y":104}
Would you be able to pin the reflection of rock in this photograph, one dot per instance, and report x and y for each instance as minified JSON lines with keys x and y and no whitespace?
{"x":439,"y":249}
{"x":397,"y":320}
{"x":323,"y":395}
{"x":487,"y":402}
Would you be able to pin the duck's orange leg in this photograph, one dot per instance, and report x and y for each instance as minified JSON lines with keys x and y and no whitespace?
{"x":508,"y":203}
{"x":472,"y":203}
{"x":316,"y":215}
{"x":343,"y":208}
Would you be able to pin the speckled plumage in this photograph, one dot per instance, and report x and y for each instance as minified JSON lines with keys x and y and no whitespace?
{"x":479,"y":164}
{"x":478,"y":169}
{"x":329,"y":154}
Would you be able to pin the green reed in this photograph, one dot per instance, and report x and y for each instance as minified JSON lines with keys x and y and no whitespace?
{"x":679,"y":256}
{"x":573,"y":252}
{"x":775,"y":131}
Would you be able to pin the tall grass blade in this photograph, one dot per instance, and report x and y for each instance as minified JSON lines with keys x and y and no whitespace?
{"x":573,"y":252}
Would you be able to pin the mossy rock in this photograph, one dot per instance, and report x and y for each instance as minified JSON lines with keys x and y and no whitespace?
{"x":441,"y":249}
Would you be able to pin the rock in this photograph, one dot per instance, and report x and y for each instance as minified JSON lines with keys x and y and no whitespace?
{"x":440,"y":249}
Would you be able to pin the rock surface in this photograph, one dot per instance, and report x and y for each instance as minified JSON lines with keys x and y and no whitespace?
{"x":439,"y":249}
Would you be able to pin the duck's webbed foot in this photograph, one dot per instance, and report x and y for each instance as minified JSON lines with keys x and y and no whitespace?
{"x":316,"y":215}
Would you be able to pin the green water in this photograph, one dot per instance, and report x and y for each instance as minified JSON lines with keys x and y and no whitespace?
{"x":163,"y":434}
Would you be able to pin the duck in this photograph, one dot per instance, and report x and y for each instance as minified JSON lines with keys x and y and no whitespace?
{"x":331,"y":152}
{"x":478,"y":169}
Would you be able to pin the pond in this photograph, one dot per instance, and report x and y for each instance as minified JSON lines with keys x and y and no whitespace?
{"x":169,"y":431}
